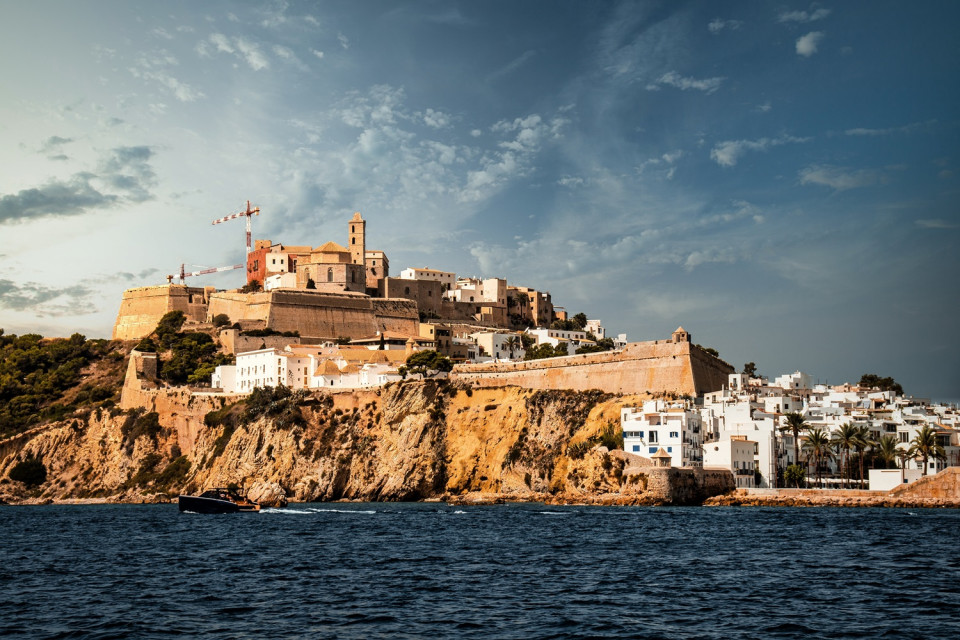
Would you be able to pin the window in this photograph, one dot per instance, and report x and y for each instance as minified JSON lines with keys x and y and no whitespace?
{"x":636,"y":448}
{"x":653,"y":436}
{"x":674,"y":434}
{"x":653,"y":449}
{"x":669,"y":449}
{"x":329,"y":274}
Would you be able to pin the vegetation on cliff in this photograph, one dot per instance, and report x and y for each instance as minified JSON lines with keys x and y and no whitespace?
{"x":44,"y":379}
{"x":191,"y":357}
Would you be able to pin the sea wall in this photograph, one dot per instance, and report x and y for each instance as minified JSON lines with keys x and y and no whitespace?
{"x":640,"y":367}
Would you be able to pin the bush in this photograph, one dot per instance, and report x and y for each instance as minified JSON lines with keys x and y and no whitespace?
{"x":221,"y":320}
{"x":30,"y":471}
{"x":174,"y":472}
{"x":279,"y":403}
{"x":138,"y":425}
{"x":425,"y":361}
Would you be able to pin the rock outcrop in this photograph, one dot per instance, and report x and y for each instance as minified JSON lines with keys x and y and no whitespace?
{"x":409,"y":441}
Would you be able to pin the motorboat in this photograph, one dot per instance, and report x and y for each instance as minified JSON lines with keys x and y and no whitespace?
{"x":219,"y":500}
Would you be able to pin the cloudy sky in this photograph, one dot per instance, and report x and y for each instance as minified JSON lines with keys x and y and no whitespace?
{"x":780,"y":178}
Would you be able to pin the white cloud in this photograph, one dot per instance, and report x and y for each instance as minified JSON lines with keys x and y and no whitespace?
{"x":344,"y":42}
{"x":937,"y":224}
{"x":674,"y":79}
{"x":765,"y":107}
{"x":728,"y":152}
{"x":436,"y":119}
{"x":807,"y":45}
{"x":221,"y":42}
{"x":839,"y":178}
{"x":717,"y":25}
{"x":317,"y":53}
{"x":861,"y":131}
{"x":805,"y":16}
{"x":252,"y":54}
{"x":287,"y":54}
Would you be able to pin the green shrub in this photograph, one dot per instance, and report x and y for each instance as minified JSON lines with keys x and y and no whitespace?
{"x":221,"y":320}
{"x":279,"y":403}
{"x":175,"y":472}
{"x":30,"y":471}
{"x":139,"y":424}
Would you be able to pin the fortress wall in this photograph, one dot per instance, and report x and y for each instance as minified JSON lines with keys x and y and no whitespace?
{"x":142,"y":307}
{"x":322,"y":315}
{"x":240,"y":306}
{"x":396,"y":314}
{"x":641,"y":367}
{"x":942,"y":486}
{"x":688,"y":486}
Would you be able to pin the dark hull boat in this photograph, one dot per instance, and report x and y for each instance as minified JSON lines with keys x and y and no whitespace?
{"x":217,"y":501}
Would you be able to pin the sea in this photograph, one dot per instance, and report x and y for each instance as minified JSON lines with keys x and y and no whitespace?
{"x":429,"y":570}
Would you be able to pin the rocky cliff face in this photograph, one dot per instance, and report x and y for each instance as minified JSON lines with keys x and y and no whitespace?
{"x":410,"y":441}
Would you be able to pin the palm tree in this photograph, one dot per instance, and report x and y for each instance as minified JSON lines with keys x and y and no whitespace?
{"x":886,"y":450}
{"x":843,"y":440}
{"x":795,"y":424}
{"x":512,"y":343}
{"x":925,"y":445}
{"x":861,"y":443}
{"x":817,"y":445}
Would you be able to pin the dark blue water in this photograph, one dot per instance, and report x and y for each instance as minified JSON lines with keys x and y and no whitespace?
{"x":512,"y":571}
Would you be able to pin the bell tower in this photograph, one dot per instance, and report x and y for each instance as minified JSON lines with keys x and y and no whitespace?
{"x":357,"y":237}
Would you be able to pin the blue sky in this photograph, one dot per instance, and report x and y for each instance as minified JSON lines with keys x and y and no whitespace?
{"x":779,"y":178}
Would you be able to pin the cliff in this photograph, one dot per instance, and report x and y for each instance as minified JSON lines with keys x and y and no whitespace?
{"x":410,"y":441}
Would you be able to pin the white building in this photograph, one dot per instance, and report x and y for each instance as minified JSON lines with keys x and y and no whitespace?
{"x":596,"y":328}
{"x":572,"y":340}
{"x":673,"y":426}
{"x":497,"y":345}
{"x":736,"y":453}
{"x":280,"y":281}
{"x":794,"y":381}
{"x":444,"y":277}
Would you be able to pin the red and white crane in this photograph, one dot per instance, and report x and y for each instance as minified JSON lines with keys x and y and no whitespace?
{"x":251,"y":211}
{"x":184,"y":274}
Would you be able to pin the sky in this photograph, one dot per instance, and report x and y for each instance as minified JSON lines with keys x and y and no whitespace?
{"x":780,"y":178}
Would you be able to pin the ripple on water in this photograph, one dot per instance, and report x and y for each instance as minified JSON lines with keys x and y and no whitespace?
{"x":510,"y":571}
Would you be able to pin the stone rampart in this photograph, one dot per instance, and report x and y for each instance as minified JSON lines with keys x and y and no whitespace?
{"x":397,"y":315}
{"x":142,"y":307}
{"x":641,"y":367}
{"x":942,"y":486}
{"x":687,"y":486}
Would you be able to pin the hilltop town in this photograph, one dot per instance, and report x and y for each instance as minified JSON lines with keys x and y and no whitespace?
{"x":324,"y":377}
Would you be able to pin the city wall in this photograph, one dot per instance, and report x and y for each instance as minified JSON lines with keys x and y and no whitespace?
{"x":660,"y":366}
{"x":142,"y":307}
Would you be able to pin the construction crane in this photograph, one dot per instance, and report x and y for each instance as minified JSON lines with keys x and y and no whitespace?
{"x":184,"y":275}
{"x":251,"y":211}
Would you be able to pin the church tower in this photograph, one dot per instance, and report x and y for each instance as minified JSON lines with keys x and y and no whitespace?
{"x":357,"y":238}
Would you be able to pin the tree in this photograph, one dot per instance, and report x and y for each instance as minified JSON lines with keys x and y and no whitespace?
{"x":545,"y":350}
{"x":221,"y":320}
{"x":750,"y":370}
{"x":794,"y":474}
{"x":817,"y":446}
{"x":311,"y":284}
{"x":423,"y":362}
{"x":873,"y":381}
{"x":512,"y":343}
{"x":169,"y":326}
{"x":861,"y":443}
{"x":580,"y":321}
{"x":886,"y":451}
{"x":251,"y":287}
{"x":844,"y":440}
{"x":925,"y":446}
{"x":795,"y":424}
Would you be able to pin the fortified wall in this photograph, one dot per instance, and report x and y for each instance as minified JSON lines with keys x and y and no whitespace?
{"x":660,"y":366}
{"x":312,"y":313}
{"x":142,"y":308}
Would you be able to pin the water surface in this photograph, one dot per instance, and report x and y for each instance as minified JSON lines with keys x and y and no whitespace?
{"x":506,"y":571}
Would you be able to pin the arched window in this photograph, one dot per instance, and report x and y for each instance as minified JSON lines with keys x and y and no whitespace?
{"x":353,"y":241}
{"x":329,"y":274}
{"x":353,"y":276}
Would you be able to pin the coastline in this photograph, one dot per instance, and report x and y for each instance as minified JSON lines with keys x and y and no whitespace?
{"x":739,"y":498}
